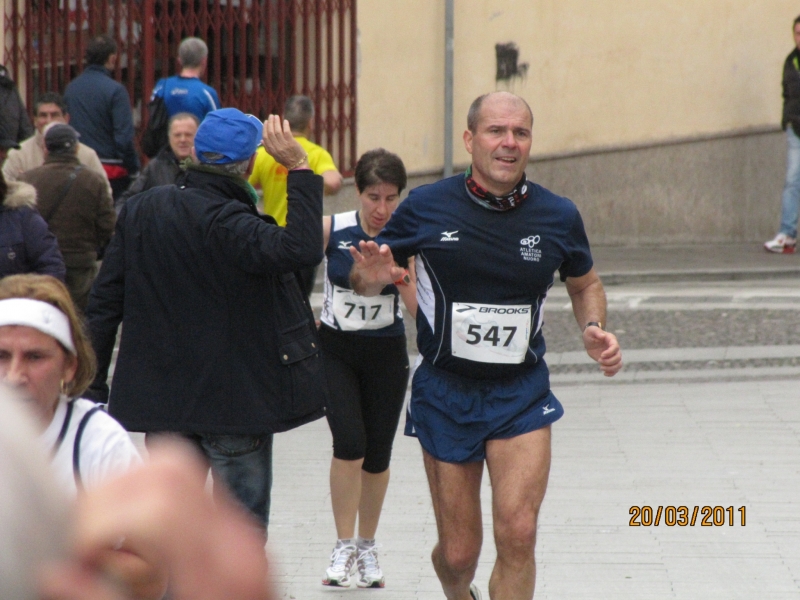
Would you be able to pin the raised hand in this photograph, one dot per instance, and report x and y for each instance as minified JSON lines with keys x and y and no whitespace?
{"x":280,"y":143}
{"x":373,"y":268}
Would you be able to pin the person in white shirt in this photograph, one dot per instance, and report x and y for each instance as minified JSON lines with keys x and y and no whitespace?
{"x":50,"y":550}
{"x":46,"y":356}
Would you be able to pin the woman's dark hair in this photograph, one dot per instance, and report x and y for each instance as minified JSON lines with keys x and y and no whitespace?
{"x":3,"y":187}
{"x":380,"y":166}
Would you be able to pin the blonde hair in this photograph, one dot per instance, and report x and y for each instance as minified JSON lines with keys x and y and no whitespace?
{"x":49,"y":289}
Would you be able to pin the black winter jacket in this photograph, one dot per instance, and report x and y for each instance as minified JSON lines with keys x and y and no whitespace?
{"x":218,"y":337}
{"x":26,"y":244}
{"x":791,"y":91}
{"x":162,"y":170}
{"x":14,"y":122}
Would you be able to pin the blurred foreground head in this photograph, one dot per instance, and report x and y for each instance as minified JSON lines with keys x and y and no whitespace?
{"x":33,"y":514}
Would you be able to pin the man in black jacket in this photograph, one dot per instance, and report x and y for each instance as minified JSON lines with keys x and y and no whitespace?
{"x":100,"y":110}
{"x":166,"y":166}
{"x":219,"y":343}
{"x":785,"y":242}
{"x":14,"y":122}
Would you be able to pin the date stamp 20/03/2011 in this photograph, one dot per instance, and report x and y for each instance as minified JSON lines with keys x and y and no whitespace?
{"x":682,"y":516}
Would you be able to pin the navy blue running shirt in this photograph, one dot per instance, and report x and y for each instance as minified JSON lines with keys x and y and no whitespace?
{"x":342,"y":308}
{"x":483,"y":275}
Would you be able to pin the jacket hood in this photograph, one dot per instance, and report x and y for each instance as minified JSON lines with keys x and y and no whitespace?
{"x":20,"y":194}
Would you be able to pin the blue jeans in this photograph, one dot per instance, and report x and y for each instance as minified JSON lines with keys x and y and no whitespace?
{"x":244,"y":463}
{"x":790,"y":201}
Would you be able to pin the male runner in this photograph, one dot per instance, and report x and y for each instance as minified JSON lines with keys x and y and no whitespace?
{"x":487,"y":245}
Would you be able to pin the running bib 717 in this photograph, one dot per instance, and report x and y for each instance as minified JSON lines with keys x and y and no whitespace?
{"x":490,"y":333}
{"x":354,"y":312}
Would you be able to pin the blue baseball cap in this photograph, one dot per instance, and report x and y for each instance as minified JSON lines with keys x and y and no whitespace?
{"x":227,"y":135}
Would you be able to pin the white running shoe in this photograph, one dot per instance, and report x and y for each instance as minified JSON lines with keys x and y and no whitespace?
{"x":369,"y":571}
{"x":475,"y":592}
{"x":342,"y":560}
{"x":781,"y":244}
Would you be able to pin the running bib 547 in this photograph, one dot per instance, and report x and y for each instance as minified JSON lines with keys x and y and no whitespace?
{"x":490,"y":333}
{"x":355,"y":313}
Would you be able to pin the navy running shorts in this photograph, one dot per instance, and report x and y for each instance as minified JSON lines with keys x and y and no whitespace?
{"x":453,"y":416}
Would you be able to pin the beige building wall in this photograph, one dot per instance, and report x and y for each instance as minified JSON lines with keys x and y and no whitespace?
{"x":400,"y":79}
{"x":605,"y":73}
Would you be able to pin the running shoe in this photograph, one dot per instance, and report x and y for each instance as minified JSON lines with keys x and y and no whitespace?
{"x":369,"y":571}
{"x":781,"y":244}
{"x":342,"y":560}
{"x":474,"y":592}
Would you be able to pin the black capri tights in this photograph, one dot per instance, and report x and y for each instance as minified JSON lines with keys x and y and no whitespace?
{"x":367,"y":379}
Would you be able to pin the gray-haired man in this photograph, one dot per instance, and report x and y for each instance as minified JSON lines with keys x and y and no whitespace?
{"x":185,"y":92}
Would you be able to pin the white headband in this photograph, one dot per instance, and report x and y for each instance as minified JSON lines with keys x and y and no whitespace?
{"x":40,"y":315}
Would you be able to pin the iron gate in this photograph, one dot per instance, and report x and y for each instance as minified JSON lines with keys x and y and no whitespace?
{"x":260,"y":52}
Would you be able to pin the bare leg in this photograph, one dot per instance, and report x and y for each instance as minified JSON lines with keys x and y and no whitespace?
{"x":519,"y":468}
{"x":373,"y":491}
{"x":345,"y":481}
{"x":455,"y":492}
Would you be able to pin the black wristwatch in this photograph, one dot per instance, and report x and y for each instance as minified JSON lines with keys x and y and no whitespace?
{"x":593,"y":324}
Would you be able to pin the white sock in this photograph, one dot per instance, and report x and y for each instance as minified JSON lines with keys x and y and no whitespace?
{"x":365,"y":543}
{"x":346,"y":542}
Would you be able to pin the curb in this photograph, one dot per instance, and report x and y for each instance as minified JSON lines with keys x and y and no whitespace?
{"x":624,"y":277}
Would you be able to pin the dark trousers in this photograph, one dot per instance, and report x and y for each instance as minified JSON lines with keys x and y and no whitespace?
{"x":243,"y":463}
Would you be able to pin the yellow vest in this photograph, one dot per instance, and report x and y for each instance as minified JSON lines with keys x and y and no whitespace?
{"x":271,"y":176}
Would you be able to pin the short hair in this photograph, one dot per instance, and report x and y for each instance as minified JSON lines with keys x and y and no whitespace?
{"x":50,"y":98}
{"x":299,"y":110}
{"x":192,"y":51}
{"x":99,"y":49}
{"x":796,"y":21}
{"x":233,"y":168}
{"x":34,"y":511}
{"x":380,"y":166}
{"x":49,"y":289}
{"x":182,"y":116}
{"x":474,"y":113}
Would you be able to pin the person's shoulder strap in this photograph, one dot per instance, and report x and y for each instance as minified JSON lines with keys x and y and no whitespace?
{"x":64,"y":427}
{"x":65,"y":190}
{"x":76,"y":448}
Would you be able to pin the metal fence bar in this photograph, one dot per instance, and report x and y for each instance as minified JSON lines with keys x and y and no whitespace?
{"x":352,"y":82}
{"x":260,"y":52}
{"x":340,"y":87}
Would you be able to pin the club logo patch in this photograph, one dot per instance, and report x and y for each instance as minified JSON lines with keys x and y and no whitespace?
{"x":528,"y":249}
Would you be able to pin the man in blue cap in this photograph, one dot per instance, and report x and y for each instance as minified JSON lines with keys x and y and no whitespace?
{"x":188,"y":272}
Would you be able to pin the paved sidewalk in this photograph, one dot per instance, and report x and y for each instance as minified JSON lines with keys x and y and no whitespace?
{"x":708,"y":262}
{"x":618,"y":446}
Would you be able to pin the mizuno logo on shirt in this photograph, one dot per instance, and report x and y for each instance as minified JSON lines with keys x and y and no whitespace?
{"x":344,"y":245}
{"x":546,"y":410}
{"x":447,"y":236}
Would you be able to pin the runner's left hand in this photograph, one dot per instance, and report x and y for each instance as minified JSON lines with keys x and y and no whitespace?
{"x":604,"y":348}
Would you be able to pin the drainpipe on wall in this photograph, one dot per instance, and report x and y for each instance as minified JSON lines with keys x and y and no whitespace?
{"x":448,"y":88}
